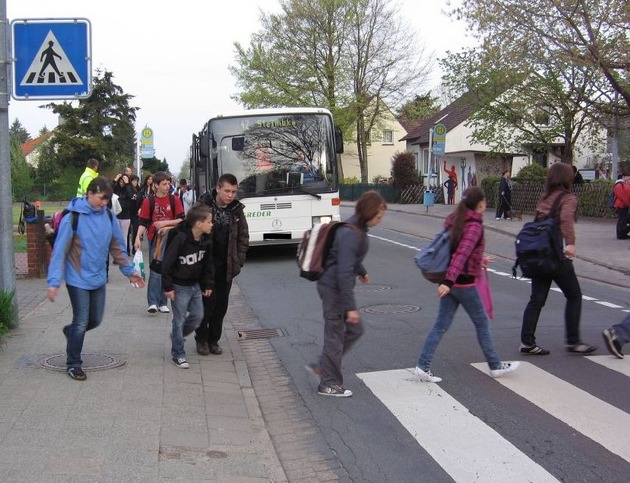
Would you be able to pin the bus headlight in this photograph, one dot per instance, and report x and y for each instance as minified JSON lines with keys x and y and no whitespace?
{"x":319,"y":220}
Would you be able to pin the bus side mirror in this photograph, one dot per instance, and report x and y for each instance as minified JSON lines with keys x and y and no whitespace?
{"x":338,"y":140}
{"x":238,"y":143}
{"x":203,"y":146}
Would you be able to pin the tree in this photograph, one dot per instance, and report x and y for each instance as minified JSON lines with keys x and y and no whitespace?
{"x":21,"y":179}
{"x":524,"y":108}
{"x":337,"y":54}
{"x":588,"y":34}
{"x":184,"y":171}
{"x":19,"y":132}
{"x":404,"y":170}
{"x":101,"y":127}
{"x":153,"y":165}
{"x":419,"y":108}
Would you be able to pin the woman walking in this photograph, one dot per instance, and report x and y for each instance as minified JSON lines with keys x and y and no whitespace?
{"x":459,"y":286}
{"x":85,"y":237}
{"x":505,"y":197}
{"x":558,"y":184}
{"x":342,"y":322}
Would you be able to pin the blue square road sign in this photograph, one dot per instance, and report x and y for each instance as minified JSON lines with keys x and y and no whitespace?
{"x":52,"y":58}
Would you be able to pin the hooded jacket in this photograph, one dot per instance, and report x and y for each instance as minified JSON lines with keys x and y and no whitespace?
{"x":465,"y":264}
{"x":345,"y":262}
{"x":231,"y":257}
{"x":80,"y":259}
{"x":187,"y":261}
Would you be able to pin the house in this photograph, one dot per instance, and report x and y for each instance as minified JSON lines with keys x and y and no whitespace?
{"x":31,"y":149}
{"x":462,"y":161}
{"x":385,"y":142}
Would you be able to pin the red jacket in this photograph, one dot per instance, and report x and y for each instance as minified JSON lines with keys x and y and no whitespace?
{"x":622,"y":194}
{"x":466,"y":261}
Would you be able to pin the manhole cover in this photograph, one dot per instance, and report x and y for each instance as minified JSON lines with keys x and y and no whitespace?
{"x":372,"y":288}
{"x":383,"y":309}
{"x":260,"y":333}
{"x":91,"y":362}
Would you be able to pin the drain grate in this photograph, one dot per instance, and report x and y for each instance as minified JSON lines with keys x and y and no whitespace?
{"x":383,"y":309}
{"x":260,"y":333}
{"x":91,"y":362}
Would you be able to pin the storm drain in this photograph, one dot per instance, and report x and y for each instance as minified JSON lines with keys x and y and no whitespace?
{"x":91,"y":362}
{"x":383,"y":309}
{"x":260,"y":334}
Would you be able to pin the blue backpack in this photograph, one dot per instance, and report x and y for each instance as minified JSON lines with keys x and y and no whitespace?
{"x":433,"y":260}
{"x":539,"y":246}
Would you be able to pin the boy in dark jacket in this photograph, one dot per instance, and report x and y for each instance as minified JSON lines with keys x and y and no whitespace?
{"x":187,"y":275}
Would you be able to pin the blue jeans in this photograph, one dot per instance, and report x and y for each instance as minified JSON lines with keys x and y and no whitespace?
{"x":469,"y":298}
{"x":187,"y":299}
{"x":155,"y":295}
{"x":88,"y":307}
{"x":622,"y":329}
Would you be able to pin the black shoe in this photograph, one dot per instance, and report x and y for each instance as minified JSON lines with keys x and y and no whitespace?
{"x":66,"y":331}
{"x":215,"y":349}
{"x":612,"y":343}
{"x":534,"y":350}
{"x":581,"y":348}
{"x":203,"y":349}
{"x":76,"y":373}
{"x":334,"y":390}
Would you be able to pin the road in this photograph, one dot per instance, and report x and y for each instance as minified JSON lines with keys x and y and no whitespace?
{"x":560,"y":417}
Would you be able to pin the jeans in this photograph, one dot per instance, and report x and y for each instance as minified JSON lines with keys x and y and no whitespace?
{"x":88,"y":307}
{"x":155,"y":295}
{"x":214,"y":309}
{"x":187,"y":299}
{"x":622,"y":330}
{"x":567,"y":281}
{"x":469,"y":298}
{"x":339,"y":336}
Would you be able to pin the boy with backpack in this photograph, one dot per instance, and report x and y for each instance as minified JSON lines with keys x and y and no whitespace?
{"x":158,"y":214}
{"x":187,"y":275}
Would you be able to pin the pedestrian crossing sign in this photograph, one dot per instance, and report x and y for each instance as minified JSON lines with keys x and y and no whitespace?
{"x":52,"y":58}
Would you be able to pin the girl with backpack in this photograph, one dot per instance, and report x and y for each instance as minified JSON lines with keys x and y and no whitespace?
{"x":459,"y":286}
{"x":79,"y":257}
{"x":558,"y":184}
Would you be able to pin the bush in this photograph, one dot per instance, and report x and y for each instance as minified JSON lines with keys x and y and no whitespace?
{"x":531,"y":172}
{"x":351,"y":180}
{"x":404,"y":169}
{"x":8,"y":314}
{"x":490,"y":187}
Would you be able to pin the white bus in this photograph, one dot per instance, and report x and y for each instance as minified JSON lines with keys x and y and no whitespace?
{"x":285,"y":160}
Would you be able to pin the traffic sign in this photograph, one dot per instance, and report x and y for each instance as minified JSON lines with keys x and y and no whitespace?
{"x":439,"y":139}
{"x":52,"y":58}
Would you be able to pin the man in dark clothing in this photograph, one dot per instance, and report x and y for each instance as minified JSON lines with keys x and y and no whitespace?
{"x":230,"y":241}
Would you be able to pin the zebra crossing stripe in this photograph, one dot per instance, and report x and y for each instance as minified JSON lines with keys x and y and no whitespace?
{"x":611,"y":362}
{"x":463,"y":445}
{"x":594,"y":418}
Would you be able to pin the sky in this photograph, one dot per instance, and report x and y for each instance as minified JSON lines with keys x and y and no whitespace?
{"x":173,"y":57}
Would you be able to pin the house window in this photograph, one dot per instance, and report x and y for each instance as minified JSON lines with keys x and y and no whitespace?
{"x":388,"y":137}
{"x":541,"y":117}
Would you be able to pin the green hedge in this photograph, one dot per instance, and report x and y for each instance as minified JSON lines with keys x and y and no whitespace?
{"x":352,"y":192}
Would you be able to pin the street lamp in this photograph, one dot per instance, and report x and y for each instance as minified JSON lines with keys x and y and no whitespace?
{"x":462,"y":164}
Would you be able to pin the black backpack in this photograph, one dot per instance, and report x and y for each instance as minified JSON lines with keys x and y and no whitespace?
{"x":538,"y":246}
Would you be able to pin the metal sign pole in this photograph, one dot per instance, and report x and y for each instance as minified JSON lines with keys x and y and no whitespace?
{"x":7,"y":260}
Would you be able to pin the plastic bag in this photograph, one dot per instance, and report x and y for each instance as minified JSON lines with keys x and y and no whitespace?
{"x":138,"y":264}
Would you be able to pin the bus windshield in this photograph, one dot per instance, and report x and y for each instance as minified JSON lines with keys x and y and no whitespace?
{"x":276,"y":154}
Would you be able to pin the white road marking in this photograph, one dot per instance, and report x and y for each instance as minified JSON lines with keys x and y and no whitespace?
{"x":611,"y":362}
{"x":594,"y":418}
{"x":504,"y":274}
{"x":463,"y":445}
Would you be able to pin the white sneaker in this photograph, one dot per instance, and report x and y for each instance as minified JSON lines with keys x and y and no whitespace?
{"x":497,"y":218}
{"x":504,"y":369}
{"x":427,"y":375}
{"x":152,"y":309}
{"x":181,"y":362}
{"x":164,"y":309}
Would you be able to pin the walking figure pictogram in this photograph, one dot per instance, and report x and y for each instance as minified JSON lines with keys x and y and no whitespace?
{"x":50,"y":55}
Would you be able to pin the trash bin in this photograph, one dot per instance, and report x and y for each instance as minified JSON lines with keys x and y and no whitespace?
{"x":429,"y":198}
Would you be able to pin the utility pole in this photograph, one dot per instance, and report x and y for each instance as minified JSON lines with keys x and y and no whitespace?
{"x":7,"y":257}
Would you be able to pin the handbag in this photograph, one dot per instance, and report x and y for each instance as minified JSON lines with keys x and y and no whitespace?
{"x":161,"y":240}
{"x":138,"y":264}
{"x":483,"y":287}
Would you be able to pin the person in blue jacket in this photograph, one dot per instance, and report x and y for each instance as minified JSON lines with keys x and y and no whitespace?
{"x":79,"y":258}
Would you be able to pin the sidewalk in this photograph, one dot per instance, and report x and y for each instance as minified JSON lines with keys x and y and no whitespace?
{"x":230,"y":418}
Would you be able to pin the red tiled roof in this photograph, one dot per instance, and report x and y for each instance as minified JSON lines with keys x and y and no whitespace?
{"x":29,"y":146}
